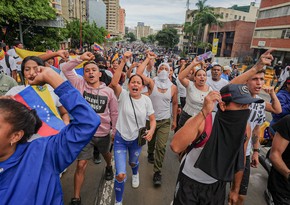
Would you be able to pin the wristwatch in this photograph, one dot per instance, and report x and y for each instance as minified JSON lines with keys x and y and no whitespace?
{"x":257,"y":150}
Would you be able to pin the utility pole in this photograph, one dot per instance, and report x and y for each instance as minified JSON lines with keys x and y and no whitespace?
{"x":187,"y":4}
{"x":81,"y":27}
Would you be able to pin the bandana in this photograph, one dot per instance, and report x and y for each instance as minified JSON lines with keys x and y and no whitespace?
{"x":222,"y":155}
{"x":162,"y":80}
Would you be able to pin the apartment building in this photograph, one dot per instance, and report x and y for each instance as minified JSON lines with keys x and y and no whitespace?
{"x":122,"y":17}
{"x":272,"y":29}
{"x":112,"y":18}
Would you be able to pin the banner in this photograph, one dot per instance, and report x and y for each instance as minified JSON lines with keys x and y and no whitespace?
{"x":215,"y":46}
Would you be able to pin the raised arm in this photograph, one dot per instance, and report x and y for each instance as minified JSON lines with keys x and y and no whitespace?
{"x":117,"y":75}
{"x":274,"y":106}
{"x":182,"y":75}
{"x":194,"y":125}
{"x":62,"y":149}
{"x":60,"y":53}
{"x":68,"y":67}
{"x":140,"y":70}
{"x":264,"y":60}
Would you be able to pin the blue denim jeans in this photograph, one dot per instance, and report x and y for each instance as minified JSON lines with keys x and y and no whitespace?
{"x":121,"y":147}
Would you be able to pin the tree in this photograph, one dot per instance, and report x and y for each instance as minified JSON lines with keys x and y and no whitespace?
{"x":22,"y":13}
{"x":167,"y":37}
{"x":151,"y":38}
{"x":131,"y":37}
{"x":90,"y":33}
{"x":204,"y":15}
{"x":144,"y":40}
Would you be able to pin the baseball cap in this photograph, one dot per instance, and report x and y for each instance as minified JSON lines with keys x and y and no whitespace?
{"x":226,"y":67}
{"x":238,"y":93}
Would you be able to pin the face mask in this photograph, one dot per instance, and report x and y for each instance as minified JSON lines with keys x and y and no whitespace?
{"x":163,"y":75}
{"x":2,"y":54}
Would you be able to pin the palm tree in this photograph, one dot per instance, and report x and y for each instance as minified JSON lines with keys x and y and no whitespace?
{"x":204,"y":15}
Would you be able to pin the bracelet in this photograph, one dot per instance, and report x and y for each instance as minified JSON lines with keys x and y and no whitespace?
{"x":203,"y":114}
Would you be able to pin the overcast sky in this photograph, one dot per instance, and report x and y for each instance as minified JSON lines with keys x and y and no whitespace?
{"x":154,"y":13}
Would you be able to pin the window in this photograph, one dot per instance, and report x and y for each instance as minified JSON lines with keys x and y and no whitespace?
{"x":236,"y":16}
{"x":276,"y":12}
{"x":244,"y":18}
{"x":222,"y":14}
{"x":227,"y":15}
{"x":240,"y":17}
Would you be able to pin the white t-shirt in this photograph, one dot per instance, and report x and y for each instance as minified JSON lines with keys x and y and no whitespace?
{"x":11,"y":52}
{"x":126,"y":123}
{"x":5,"y":68}
{"x":257,"y":117}
{"x":217,"y":85}
{"x":17,"y":89}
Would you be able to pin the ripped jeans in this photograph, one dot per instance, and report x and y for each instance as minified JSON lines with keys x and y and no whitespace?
{"x":121,"y":148}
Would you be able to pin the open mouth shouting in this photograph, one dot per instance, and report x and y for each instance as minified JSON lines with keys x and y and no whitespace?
{"x":135,"y":89}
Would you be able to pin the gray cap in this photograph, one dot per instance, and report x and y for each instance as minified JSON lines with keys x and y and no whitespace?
{"x":238,"y":93}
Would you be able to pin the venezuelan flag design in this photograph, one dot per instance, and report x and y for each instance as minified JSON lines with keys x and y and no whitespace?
{"x":97,"y":47}
{"x":39,"y":98}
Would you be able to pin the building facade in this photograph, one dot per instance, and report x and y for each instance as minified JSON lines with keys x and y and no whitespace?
{"x":236,"y":15}
{"x":122,"y":18}
{"x":96,"y":12}
{"x":143,"y":31}
{"x":112,"y":18}
{"x":272,"y":29}
{"x":234,"y":38}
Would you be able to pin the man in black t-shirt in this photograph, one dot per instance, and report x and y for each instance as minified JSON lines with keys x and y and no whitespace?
{"x":279,"y":178}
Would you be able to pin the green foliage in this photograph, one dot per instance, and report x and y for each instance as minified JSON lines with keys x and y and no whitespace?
{"x":43,"y":38}
{"x":90,"y":33}
{"x":151,"y":38}
{"x":167,"y":37}
{"x":144,"y":39}
{"x":131,"y":37}
{"x":25,"y":11}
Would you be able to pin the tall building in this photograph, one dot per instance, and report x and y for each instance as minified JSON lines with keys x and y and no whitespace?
{"x":122,"y":17}
{"x":272,"y":29}
{"x":74,"y":9}
{"x":143,"y":31}
{"x":96,"y":11}
{"x":140,"y":24}
{"x":112,"y":18}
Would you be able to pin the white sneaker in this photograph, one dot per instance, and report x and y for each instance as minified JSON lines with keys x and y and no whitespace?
{"x":135,"y":180}
{"x":118,"y":203}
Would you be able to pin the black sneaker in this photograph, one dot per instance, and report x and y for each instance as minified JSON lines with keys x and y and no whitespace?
{"x":109,"y":175}
{"x":76,"y":201}
{"x":151,"y":158}
{"x":157,"y":179}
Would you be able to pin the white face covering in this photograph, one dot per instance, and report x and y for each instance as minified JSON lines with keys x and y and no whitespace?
{"x":163,"y":75}
{"x":162,"y":80}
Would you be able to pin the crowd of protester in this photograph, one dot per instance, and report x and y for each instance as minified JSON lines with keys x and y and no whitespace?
{"x":130,"y":95}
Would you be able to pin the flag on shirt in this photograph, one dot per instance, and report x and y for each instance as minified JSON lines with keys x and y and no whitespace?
{"x":39,"y":98}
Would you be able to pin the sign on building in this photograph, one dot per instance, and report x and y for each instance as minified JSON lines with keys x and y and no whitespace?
{"x":215,"y":46}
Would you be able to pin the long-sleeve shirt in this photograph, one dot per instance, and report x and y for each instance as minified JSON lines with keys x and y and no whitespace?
{"x":102,"y":99}
{"x":31,"y":175}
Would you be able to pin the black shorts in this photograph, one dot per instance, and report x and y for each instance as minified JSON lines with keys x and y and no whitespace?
{"x":246,"y":177}
{"x":189,"y":191}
